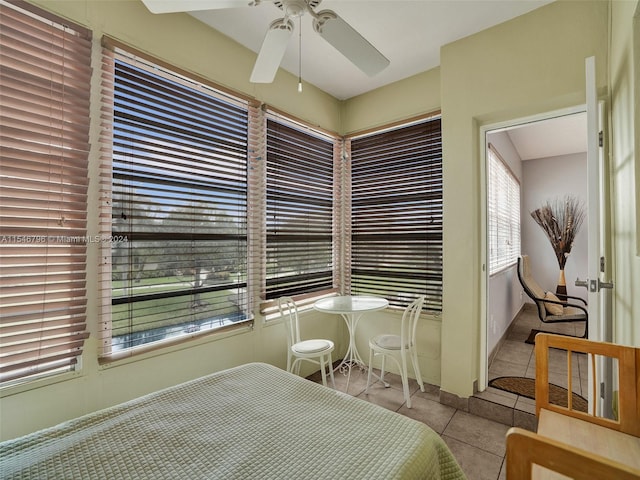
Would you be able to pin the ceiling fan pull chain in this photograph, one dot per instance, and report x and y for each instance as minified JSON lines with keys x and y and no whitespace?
{"x":300,"y":55}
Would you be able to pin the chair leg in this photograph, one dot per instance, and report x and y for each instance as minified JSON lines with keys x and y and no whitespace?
{"x":405,"y":381}
{"x":416,"y":368}
{"x":333,"y":381}
{"x":323,"y":370}
{"x":382,"y":369}
{"x":366,"y":390}
{"x":295,"y":367}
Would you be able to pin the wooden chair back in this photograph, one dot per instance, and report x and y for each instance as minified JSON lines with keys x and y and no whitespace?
{"x":627,"y":384}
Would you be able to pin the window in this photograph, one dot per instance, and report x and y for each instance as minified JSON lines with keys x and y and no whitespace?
{"x":396,"y":209}
{"x":299,"y":210}
{"x":503,"y":212}
{"x":178,"y":206}
{"x":43,"y":200}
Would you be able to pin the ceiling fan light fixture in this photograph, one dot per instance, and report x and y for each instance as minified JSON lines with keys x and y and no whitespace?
{"x":294,"y":8}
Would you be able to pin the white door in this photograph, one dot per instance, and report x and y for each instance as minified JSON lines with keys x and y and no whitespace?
{"x":599,"y":290}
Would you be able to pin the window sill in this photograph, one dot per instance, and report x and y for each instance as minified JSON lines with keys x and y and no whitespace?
{"x":162,"y":348}
{"x":269,"y":308}
{"x":44,"y":381}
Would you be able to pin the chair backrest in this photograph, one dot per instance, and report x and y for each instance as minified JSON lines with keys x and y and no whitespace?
{"x":530,"y":286}
{"x":289,"y":312}
{"x":410,"y":322}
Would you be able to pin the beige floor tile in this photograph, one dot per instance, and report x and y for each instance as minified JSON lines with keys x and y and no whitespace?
{"x":498,"y":396}
{"x":515,"y":352}
{"x":434,"y":414}
{"x":356,"y":380}
{"x":431,"y":392}
{"x":503,"y":471}
{"x":389,"y":398}
{"x":477,"y":464}
{"x":478,"y":432}
{"x":501,"y":368}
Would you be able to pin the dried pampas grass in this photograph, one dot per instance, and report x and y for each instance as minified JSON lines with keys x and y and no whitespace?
{"x":561,"y":220}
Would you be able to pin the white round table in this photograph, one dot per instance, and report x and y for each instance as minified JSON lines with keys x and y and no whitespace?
{"x":351,"y":307}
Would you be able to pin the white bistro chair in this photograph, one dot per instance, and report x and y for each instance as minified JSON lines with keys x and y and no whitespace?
{"x":317,"y":351}
{"x":398,"y":348}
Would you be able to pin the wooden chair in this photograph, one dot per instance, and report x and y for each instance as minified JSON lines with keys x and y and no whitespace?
{"x":580,"y":445}
{"x":568,"y":308}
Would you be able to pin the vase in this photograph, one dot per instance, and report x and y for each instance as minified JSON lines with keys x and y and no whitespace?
{"x":561,"y":288}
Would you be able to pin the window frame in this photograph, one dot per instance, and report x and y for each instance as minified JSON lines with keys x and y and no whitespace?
{"x":183,"y":163}
{"x":506,"y":221}
{"x":311,"y":214}
{"x":411,"y":157}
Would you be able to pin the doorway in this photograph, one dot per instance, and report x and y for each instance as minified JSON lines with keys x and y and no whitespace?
{"x":547,"y":156}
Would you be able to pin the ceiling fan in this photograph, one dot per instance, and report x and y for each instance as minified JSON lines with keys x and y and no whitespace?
{"x":326,"y":23}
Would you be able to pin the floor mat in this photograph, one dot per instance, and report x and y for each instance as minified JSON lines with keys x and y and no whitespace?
{"x":527,"y":388}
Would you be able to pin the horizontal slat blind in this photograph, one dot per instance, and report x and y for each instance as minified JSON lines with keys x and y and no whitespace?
{"x":396,"y":191}
{"x":299,"y":211}
{"x":503,"y":212}
{"x":179,"y":203}
{"x":44,"y":141}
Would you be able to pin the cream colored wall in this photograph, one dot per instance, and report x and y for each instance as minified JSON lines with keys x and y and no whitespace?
{"x":625,"y":168}
{"x":530,"y":65}
{"x":404,"y":99}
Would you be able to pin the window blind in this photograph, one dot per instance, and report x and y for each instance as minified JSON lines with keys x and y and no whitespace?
{"x":178,"y":206}
{"x":503,"y":212}
{"x":299,"y":210}
{"x":396,"y":210}
{"x":44,"y":139}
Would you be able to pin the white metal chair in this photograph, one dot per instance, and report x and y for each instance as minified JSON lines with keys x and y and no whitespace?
{"x":398,"y":347}
{"x":316,"y":351}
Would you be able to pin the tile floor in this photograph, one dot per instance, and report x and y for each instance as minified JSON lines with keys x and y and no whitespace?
{"x":475,"y":435}
{"x":477,"y":443}
{"x":517,"y":358}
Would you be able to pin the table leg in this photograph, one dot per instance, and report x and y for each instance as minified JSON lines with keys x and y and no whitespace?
{"x":352,"y":357}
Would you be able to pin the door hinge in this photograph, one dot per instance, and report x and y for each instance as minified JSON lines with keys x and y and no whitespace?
{"x":600,"y":139}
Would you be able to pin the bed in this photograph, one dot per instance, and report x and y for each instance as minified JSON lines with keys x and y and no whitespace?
{"x":253,"y":421}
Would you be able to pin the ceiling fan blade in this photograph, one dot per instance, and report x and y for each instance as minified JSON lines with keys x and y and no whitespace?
{"x":272,"y":50}
{"x":349,"y":42}
{"x":171,"y":6}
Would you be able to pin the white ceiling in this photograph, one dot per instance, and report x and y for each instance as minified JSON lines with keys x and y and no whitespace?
{"x":558,"y":136}
{"x":408,"y":32}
